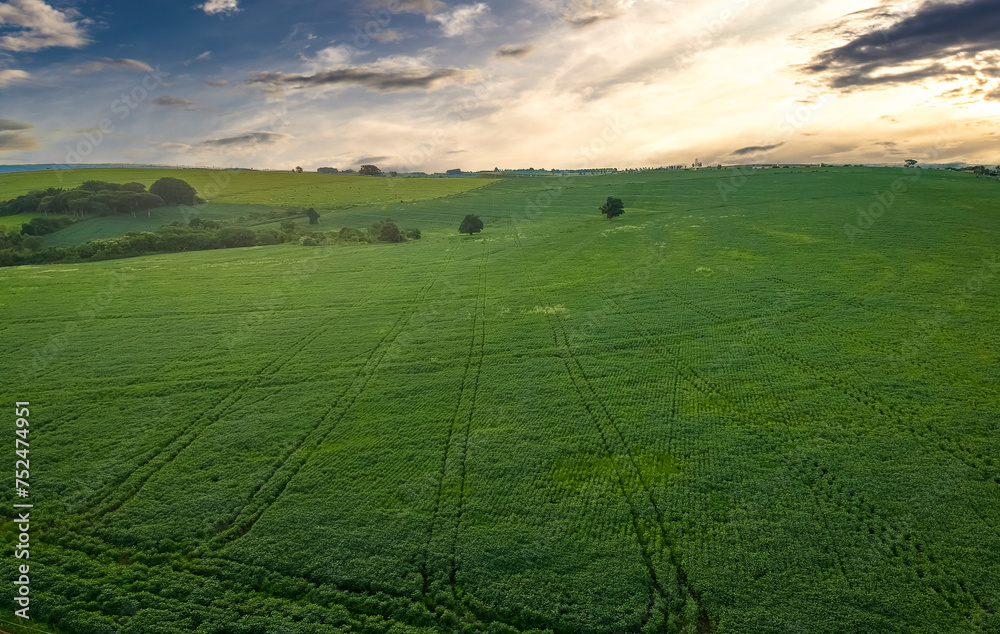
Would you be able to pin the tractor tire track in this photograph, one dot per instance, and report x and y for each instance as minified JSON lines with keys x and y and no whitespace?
{"x":271,"y":488}
{"x":478,"y":333}
{"x":608,"y":429}
{"x":108,"y":502}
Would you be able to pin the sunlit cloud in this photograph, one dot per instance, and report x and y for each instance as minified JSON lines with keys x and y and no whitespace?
{"x":219,"y":7}
{"x":38,"y":26}
{"x":106,"y":63}
{"x":11,"y":75}
{"x":461,"y":20}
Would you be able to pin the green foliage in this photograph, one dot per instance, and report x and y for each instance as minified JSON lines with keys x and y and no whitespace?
{"x":613,"y":207}
{"x":470,"y":224}
{"x":42,"y":226}
{"x":369,"y":170}
{"x":385,"y":231}
{"x":174,"y":191}
{"x":736,"y":421}
{"x":313,"y":216}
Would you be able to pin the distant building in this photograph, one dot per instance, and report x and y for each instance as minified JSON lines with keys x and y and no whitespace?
{"x":327,"y":170}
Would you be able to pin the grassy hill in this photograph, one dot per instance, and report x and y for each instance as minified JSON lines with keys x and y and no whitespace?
{"x":285,"y":189}
{"x":726,"y":411}
{"x":236,"y":194}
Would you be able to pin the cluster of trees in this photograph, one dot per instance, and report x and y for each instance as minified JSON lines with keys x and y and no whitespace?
{"x":196,"y":235}
{"x":99,"y":198}
{"x":42,"y":226}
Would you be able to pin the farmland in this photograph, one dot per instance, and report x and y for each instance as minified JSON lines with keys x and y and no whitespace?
{"x":746,"y":411}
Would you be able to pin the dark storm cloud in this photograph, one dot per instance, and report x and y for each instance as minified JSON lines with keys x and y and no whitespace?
{"x":11,"y":141}
{"x":375,"y":79}
{"x":514,"y":50}
{"x":173,"y":102}
{"x":250,"y":138}
{"x":755,"y":149}
{"x":10,"y":124}
{"x":934,"y":32}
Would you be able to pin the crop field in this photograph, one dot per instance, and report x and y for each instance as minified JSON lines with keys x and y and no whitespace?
{"x":286,"y":189}
{"x":720,"y":412}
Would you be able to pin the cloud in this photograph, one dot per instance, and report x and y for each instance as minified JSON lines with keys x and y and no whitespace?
{"x":583,"y":13}
{"x":216,"y":82}
{"x":756,"y":149}
{"x":106,"y":63}
{"x":937,"y":40}
{"x":173,"y":146}
{"x":381,"y":80}
{"x":387,"y":36}
{"x":173,"y":102}
{"x":460,"y":20}
{"x":204,"y":55}
{"x":410,"y":6}
{"x":9,"y":125}
{"x":10,"y":75}
{"x":13,"y":141}
{"x":514,"y":51}
{"x":41,"y":27}
{"x":250,"y":138}
{"x":219,"y":7}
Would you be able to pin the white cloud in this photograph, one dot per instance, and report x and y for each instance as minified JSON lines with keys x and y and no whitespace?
{"x":106,"y":63}
{"x":216,"y":7}
{"x":337,"y":56}
{"x":10,"y":75}
{"x":41,"y":27}
{"x":460,"y":20}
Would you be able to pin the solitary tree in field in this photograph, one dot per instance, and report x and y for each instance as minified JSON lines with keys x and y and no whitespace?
{"x":369,"y":170}
{"x":297,"y":170}
{"x":174,"y":191}
{"x":910,"y":162}
{"x":471,"y":224}
{"x":614,"y":207}
{"x":313,"y":216}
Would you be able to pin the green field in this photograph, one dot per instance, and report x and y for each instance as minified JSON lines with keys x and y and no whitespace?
{"x":351,"y":201}
{"x":284,"y":189}
{"x":12,"y":224}
{"x":707,"y":415}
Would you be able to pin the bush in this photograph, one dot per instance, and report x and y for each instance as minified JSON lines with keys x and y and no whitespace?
{"x":390,"y":233}
{"x":350,"y":234}
{"x":230,"y":237}
{"x":470,"y":224}
{"x":413,"y":234}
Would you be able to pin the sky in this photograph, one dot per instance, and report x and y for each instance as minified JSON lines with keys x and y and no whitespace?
{"x":430,"y":85}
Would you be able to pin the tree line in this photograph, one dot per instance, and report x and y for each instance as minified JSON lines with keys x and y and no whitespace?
{"x":195,"y":235}
{"x":100,"y":198}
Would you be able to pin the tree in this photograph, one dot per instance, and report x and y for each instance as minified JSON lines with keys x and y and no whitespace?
{"x":174,"y":191}
{"x":369,"y":170}
{"x":390,"y":233}
{"x":614,"y":207}
{"x":471,"y":224}
{"x":297,"y":170}
{"x":313,"y":216}
{"x":910,"y":162}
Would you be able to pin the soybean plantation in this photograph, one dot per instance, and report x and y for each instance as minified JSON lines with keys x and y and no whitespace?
{"x":752,"y":403}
